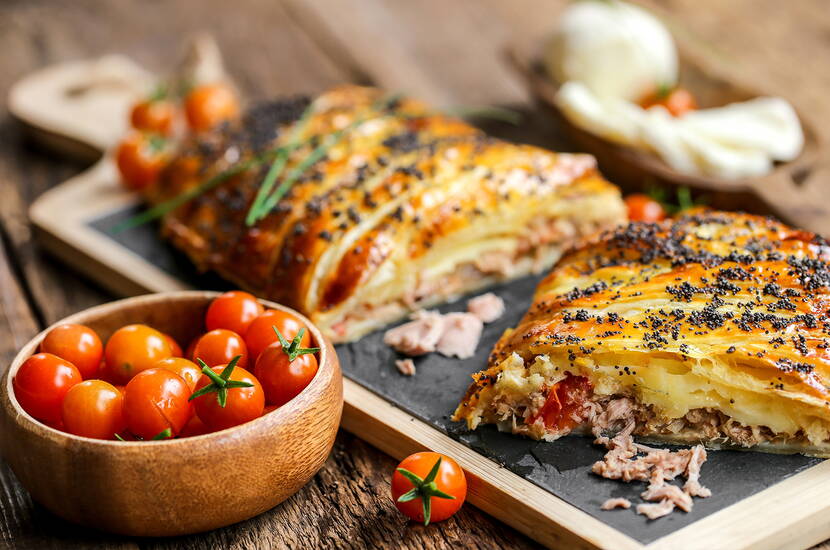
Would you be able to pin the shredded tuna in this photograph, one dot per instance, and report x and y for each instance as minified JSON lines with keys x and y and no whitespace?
{"x":630,"y":461}
{"x":612,"y":503}
{"x":419,"y":336}
{"x":658,"y":510}
{"x":487,"y":307}
{"x":462,"y":332}
{"x":692,"y":485}
{"x":500,"y":263}
{"x":668,"y":492}
{"x":405,"y":366}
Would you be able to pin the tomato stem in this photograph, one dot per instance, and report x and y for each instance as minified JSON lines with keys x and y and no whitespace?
{"x":293,"y":349}
{"x":425,"y":489}
{"x":220,"y":383}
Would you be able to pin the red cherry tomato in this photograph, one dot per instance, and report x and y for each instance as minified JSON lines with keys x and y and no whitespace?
{"x":77,"y":344}
{"x":41,"y":383}
{"x":94,"y":408}
{"x":449,"y":480}
{"x":194,"y":427}
{"x":234,"y":310}
{"x":677,"y":101}
{"x":208,"y":105}
{"x":642,"y":208}
{"x":219,"y":346}
{"x":153,"y":115}
{"x":281,"y":378}
{"x":155,"y":400}
{"x":175,"y":348}
{"x":140,"y":159}
{"x":132,"y":349}
{"x":241,"y":404}
{"x":188,"y":354}
{"x":188,"y":370}
{"x":260,"y":333}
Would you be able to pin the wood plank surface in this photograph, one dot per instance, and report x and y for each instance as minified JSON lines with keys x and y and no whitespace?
{"x":447,"y":52}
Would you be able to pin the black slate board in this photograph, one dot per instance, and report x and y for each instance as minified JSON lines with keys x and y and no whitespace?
{"x":561,"y":467}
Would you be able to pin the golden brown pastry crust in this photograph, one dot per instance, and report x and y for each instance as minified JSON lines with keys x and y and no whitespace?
{"x":713,"y":302}
{"x":353,"y":241}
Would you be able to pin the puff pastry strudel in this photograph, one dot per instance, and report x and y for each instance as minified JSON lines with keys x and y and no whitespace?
{"x":407,"y":209}
{"x":710,"y":328}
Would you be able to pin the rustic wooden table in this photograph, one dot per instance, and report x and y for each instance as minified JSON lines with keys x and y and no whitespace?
{"x":449,"y":53}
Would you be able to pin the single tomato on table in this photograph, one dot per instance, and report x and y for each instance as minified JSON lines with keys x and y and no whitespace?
{"x":234,"y":310}
{"x":156,"y":400}
{"x":642,"y":208}
{"x":95,"y":409}
{"x":227,"y":396}
{"x":132,"y":349}
{"x":284,"y":369}
{"x":428,"y":487}
{"x":41,"y":383}
{"x":77,"y":344}
{"x":140,"y":159}
{"x":260,"y":333}
{"x":219,"y":346}
{"x":208,"y":105}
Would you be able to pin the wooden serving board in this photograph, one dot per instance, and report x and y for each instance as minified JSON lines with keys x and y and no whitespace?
{"x":543,"y":489}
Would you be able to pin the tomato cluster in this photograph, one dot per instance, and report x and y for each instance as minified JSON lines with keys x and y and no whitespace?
{"x":156,"y":120}
{"x":140,"y":386}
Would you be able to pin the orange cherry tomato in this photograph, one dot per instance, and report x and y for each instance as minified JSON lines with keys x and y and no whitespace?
{"x":234,"y":310}
{"x":208,"y":105}
{"x":155,"y":400}
{"x":219,"y":346}
{"x":677,"y":101}
{"x":140,"y":158}
{"x":449,"y":480}
{"x":642,"y":208}
{"x":41,"y":383}
{"x":260,"y":333}
{"x":188,"y":370}
{"x":95,"y":409}
{"x":77,"y":344}
{"x":175,"y":348}
{"x":281,"y":378}
{"x":132,"y":349}
{"x":153,"y":115}
{"x":241,"y":404}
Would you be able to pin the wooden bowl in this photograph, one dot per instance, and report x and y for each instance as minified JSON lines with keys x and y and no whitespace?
{"x":794,"y":191}
{"x":179,"y":486}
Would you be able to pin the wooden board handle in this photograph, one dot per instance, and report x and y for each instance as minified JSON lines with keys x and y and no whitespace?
{"x":82,"y":103}
{"x":800,"y":196}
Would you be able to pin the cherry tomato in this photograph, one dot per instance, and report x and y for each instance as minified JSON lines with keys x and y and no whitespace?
{"x":175,"y":348}
{"x":282,"y":377}
{"x":234,"y":310}
{"x":77,"y":344}
{"x":191,"y":347}
{"x":155,"y":400}
{"x":188,"y":370}
{"x":194,"y":427}
{"x":94,"y":408}
{"x":677,"y":101}
{"x":140,"y":158}
{"x":153,"y":115}
{"x":132,"y":349}
{"x":449,"y":481}
{"x":41,"y":383}
{"x":208,"y":105}
{"x":219,"y":346}
{"x":260,"y":333}
{"x":242,"y":404}
{"x":642,"y":208}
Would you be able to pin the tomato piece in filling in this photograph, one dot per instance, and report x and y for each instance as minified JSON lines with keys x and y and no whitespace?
{"x":563,"y":400}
